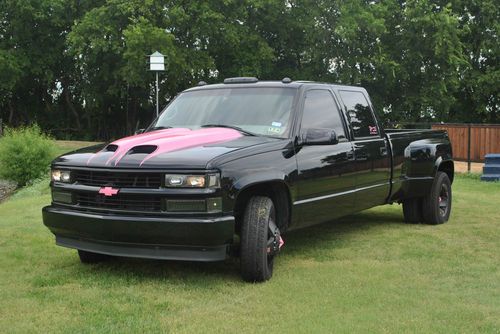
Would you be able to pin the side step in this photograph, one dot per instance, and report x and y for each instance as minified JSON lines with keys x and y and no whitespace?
{"x":492,"y":158}
{"x":490,"y":177}
{"x":491,"y":168}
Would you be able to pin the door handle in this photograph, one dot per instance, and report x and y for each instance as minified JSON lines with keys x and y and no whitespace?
{"x":350,"y":155}
{"x":383,"y":151}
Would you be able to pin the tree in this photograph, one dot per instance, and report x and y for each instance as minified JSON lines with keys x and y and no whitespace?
{"x":34,"y":63}
{"x":478,"y":99}
{"x":80,"y":68}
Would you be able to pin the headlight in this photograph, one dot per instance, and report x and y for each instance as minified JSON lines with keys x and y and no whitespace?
{"x":192,"y":181}
{"x":61,"y":175}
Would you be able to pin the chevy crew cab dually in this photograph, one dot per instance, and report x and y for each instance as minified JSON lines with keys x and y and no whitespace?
{"x":229,"y":168}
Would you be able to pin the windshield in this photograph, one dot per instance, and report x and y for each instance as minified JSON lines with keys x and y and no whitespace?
{"x":261,"y":111}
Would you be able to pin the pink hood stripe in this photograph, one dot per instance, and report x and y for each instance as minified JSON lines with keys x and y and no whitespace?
{"x":125,"y":144}
{"x":169,"y":140}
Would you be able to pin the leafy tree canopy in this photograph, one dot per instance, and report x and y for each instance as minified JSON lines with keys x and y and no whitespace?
{"x":80,"y":68}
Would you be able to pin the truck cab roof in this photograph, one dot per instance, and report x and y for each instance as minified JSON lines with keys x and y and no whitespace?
{"x":247,"y":82}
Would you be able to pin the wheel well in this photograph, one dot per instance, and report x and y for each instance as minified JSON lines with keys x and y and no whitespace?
{"x":279,"y":194}
{"x":448,"y":168}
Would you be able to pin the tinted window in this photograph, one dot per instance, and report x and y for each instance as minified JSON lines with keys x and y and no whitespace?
{"x":320,"y":111}
{"x":359,"y":113}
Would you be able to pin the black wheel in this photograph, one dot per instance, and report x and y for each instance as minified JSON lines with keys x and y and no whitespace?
{"x":437,"y":204}
{"x":260,"y":240}
{"x":89,"y":257}
{"x":412,"y":210}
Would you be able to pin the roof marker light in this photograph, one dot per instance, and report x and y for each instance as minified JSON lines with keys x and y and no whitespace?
{"x":241,"y":80}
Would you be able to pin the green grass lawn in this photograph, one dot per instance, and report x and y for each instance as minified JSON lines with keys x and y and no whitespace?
{"x":63,"y":146}
{"x":365,"y":273}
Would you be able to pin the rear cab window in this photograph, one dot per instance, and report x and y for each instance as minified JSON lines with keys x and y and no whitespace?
{"x":359,"y":113}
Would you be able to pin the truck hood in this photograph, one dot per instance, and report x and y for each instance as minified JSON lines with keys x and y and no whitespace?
{"x":169,"y":148}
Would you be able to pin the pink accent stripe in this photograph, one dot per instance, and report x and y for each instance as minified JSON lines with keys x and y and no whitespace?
{"x":125,"y":144}
{"x":169,"y":140}
{"x":196,"y":138}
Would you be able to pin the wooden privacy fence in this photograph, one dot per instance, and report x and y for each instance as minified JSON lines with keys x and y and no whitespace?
{"x":471,"y":142}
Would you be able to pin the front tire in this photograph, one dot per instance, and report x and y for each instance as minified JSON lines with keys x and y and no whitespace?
{"x":437,"y":204}
{"x":257,"y":240}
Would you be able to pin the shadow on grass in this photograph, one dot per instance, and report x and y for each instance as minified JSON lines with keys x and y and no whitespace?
{"x":320,"y":236}
{"x":308,"y":241}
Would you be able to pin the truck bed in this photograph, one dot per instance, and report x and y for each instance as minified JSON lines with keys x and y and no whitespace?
{"x":415,"y":154}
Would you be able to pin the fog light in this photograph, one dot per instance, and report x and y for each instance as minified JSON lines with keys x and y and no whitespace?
{"x":62,"y":197}
{"x":186,"y":205}
{"x":214,"y":205}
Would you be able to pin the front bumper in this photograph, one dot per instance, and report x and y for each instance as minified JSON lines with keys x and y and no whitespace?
{"x":191,"y":239}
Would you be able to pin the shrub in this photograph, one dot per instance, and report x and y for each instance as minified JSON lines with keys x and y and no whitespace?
{"x":25,"y":154}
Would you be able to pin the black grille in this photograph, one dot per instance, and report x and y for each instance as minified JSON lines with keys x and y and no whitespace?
{"x":117,"y":179}
{"x":119,"y":202}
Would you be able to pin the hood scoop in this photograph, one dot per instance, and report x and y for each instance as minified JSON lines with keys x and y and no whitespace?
{"x":110,"y":148}
{"x":152,"y":144}
{"x":143,"y":149}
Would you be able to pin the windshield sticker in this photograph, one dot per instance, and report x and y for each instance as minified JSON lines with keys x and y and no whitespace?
{"x":274,"y":129}
{"x":277,"y":124}
{"x":373,"y":130}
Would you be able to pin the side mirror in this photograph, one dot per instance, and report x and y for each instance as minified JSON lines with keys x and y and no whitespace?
{"x":319,"y":137}
{"x":139,"y":131}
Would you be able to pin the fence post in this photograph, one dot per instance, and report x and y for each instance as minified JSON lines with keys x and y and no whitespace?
{"x":468,"y":148}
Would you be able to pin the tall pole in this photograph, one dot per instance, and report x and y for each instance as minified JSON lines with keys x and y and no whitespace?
{"x":157,"y":106}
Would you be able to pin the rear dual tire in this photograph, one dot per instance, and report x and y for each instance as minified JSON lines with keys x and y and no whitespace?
{"x":433,"y":209}
{"x":436,"y":207}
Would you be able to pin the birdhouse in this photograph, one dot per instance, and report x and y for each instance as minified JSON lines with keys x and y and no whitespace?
{"x":157,"y":62}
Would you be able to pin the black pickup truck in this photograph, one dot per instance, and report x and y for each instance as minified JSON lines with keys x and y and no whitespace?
{"x":228,"y":168}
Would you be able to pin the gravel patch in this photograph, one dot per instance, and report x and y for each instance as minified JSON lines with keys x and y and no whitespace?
{"x":6,"y":188}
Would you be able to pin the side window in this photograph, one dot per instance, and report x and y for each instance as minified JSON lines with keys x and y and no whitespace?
{"x":359,"y":113}
{"x":320,"y":111}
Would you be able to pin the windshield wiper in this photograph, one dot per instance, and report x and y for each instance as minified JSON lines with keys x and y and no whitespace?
{"x":159,"y":128}
{"x":229,"y":127}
